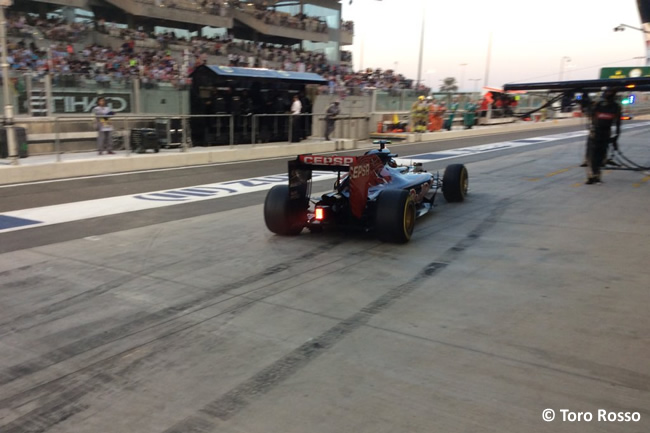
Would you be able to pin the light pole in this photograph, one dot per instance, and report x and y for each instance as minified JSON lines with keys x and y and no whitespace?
{"x":475,"y":80}
{"x":487,"y":62}
{"x":6,"y":90}
{"x":462,"y":76}
{"x":563,"y":61}
{"x":429,"y":81}
{"x":424,"y":10}
{"x":421,"y":47}
{"x":622,"y":27}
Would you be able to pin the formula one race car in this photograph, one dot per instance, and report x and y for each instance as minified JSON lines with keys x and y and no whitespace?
{"x":374,"y":193}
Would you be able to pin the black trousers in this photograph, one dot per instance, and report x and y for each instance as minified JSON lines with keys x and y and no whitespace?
{"x":330,"y":125}
{"x":596,"y":153}
{"x":295,"y":129}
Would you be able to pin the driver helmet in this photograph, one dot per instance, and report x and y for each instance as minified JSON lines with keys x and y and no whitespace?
{"x":385,"y":156}
{"x":421,"y":98}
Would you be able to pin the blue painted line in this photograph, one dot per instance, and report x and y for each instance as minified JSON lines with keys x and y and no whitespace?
{"x":529,"y":141}
{"x":192,"y":193}
{"x":431,"y":156}
{"x":144,"y":197}
{"x":7,"y":222}
{"x":200,"y":190}
{"x":168,"y":195}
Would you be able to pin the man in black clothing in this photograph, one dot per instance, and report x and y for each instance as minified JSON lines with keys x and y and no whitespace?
{"x":604,"y":113}
{"x":330,"y":118}
{"x":305,"y":130}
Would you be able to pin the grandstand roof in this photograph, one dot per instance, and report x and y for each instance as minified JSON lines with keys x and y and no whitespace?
{"x":231,"y":71}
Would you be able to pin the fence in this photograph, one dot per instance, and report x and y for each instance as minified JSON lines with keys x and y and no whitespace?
{"x":63,"y":137}
{"x":76,"y":94}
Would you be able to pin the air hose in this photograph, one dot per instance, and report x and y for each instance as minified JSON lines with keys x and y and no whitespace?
{"x":546,"y":105}
{"x":627,"y":163}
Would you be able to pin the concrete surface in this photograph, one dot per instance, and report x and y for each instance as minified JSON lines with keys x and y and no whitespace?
{"x":531,"y":295}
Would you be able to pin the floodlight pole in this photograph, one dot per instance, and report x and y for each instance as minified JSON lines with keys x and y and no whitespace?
{"x":622,"y":27}
{"x":563,"y":62}
{"x":487,"y":62}
{"x":6,"y":89}
{"x":421,"y":48}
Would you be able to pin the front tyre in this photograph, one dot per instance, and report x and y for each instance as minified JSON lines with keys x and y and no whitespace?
{"x":281,"y":215}
{"x":395,"y":218}
{"x":455,"y":183}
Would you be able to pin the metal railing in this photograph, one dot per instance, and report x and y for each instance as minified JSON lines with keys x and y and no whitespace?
{"x":63,"y":137}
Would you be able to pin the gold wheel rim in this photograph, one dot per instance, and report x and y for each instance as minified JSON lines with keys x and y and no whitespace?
{"x":409,"y":217}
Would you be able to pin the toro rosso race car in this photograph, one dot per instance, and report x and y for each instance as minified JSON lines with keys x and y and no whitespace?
{"x":371,"y":193}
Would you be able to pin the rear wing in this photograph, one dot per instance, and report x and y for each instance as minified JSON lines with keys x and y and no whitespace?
{"x":301,"y":168}
{"x":325,"y":162}
{"x":364,"y":172}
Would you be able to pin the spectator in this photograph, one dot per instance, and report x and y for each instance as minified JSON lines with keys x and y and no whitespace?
{"x":330,"y":119}
{"x":103,"y":126}
{"x":296,"y":109}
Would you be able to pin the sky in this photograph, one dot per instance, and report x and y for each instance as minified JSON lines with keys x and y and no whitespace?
{"x":532,"y":40}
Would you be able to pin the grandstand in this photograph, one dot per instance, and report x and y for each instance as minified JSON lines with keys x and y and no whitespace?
{"x":314,"y":25}
{"x":161,"y":41}
{"x":140,"y":54}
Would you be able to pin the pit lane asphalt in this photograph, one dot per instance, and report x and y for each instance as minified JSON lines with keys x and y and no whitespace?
{"x":57,"y":192}
{"x":531,"y":295}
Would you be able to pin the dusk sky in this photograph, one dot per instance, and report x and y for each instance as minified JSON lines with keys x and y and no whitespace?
{"x":530,"y":38}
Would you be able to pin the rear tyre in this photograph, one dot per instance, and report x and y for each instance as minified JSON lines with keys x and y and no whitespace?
{"x":395,"y":218}
{"x":281,"y":215}
{"x":455,"y":183}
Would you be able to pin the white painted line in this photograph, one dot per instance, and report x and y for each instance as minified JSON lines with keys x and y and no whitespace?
{"x":68,"y":212}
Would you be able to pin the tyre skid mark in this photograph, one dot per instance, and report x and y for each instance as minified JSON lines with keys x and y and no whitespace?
{"x":15,"y":323}
{"x":58,"y":385}
{"x":12,"y":373}
{"x":144,"y":355}
{"x":56,"y":410}
{"x":237,"y":399}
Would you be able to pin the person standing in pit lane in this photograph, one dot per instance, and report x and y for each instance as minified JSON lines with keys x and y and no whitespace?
{"x":469,"y":116}
{"x":419,"y":115}
{"x":604,"y":114}
{"x":453,"y":107}
{"x":330,"y":118}
{"x":103,"y":126}
{"x":296,"y":109}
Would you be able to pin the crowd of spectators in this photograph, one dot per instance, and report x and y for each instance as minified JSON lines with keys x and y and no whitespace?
{"x":95,"y":63}
{"x":370,"y":79}
{"x":55,"y":29}
{"x":212,"y":7}
{"x":169,"y":58}
{"x":259,"y":10}
{"x":234,"y":52}
{"x":270,"y":16}
{"x":218,"y":7}
{"x":283,"y":19}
